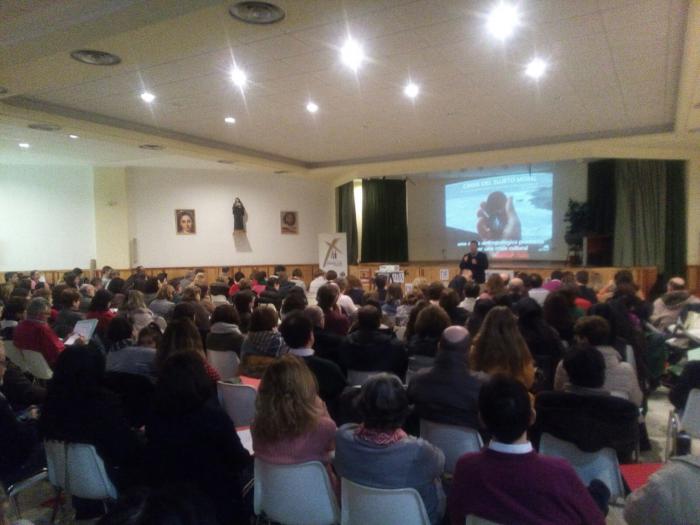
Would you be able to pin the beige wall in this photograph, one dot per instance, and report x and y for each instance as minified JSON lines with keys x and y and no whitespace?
{"x":693,"y":209}
{"x":111,"y":217}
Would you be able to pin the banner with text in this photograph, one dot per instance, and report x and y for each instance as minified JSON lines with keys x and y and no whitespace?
{"x":333,"y":252}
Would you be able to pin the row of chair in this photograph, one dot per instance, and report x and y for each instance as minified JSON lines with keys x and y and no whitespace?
{"x":29,"y":361}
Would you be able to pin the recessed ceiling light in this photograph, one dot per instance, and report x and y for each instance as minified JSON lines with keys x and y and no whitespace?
{"x":73,"y":136}
{"x":536,"y":68}
{"x":239,"y":78}
{"x":502,"y":20}
{"x":147,"y":97}
{"x":23,"y":145}
{"x":154,"y":147}
{"x":259,"y":13}
{"x":352,"y":54}
{"x":411,"y":90}
{"x":230,"y":120}
{"x":95,"y":58}
{"x":312,"y":107}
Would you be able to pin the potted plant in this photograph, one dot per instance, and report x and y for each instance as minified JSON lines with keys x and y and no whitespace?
{"x":577,"y":219}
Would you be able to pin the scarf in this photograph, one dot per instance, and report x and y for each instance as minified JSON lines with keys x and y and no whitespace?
{"x":380,"y":437}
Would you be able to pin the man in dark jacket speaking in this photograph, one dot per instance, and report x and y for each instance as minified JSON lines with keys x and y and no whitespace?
{"x":475,"y":261}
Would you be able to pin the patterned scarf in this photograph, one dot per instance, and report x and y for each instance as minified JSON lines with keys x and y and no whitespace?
{"x":379,"y":437}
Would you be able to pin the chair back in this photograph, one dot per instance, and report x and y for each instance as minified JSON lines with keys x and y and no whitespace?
{"x":602,"y":465}
{"x":226,"y":363}
{"x":294,"y":494}
{"x":238,"y":401}
{"x":453,"y":440}
{"x":359,"y":377}
{"x":79,"y":470}
{"x":37,"y":365}
{"x":15,"y":355}
{"x":690,"y":422}
{"x":363,"y":505}
{"x":630,"y":358}
{"x":476,"y":520}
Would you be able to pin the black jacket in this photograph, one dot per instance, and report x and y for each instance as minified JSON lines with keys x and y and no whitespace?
{"x":587,"y":293}
{"x":425,"y":346}
{"x":201,"y":448}
{"x":18,"y":440}
{"x":478,"y":264}
{"x":376,"y":350}
{"x":447,"y":393}
{"x":327,"y":344}
{"x":331,"y":381}
{"x":689,"y":379}
{"x":19,"y":390}
{"x":270,"y":296}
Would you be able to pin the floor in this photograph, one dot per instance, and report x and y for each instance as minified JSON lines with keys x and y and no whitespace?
{"x":657,"y":419}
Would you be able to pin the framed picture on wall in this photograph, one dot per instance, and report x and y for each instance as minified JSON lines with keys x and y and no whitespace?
{"x":185,"y":223}
{"x":289,"y":222}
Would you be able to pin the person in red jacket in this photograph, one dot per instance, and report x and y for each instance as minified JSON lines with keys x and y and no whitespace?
{"x":34,"y":332}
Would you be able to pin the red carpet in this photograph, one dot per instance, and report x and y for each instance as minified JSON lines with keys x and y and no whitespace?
{"x":637,"y":474}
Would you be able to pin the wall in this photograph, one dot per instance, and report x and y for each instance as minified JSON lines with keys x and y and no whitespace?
{"x":154,"y":194}
{"x":111,"y":218}
{"x":47,"y":217}
{"x":429,"y":240}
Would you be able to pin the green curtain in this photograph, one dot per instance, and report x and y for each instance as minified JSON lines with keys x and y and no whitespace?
{"x":675,"y":233}
{"x":601,"y":197}
{"x":345,"y":219}
{"x":384,"y":226}
{"x":640,"y":215}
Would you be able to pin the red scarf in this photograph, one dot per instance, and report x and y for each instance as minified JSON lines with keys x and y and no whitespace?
{"x":380,"y":437}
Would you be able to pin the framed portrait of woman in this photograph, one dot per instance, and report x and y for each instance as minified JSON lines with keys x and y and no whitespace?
{"x":289,"y":222}
{"x":185,"y":223}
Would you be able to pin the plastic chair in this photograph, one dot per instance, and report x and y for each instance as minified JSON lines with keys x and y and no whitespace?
{"x":37,"y":365}
{"x":77,"y":469}
{"x":14,"y":354}
{"x":602,"y":465}
{"x":629,"y":357}
{"x":294,"y":494}
{"x":363,"y":505}
{"x":689,"y":422}
{"x":453,"y":440}
{"x":226,"y":363}
{"x":238,"y":401}
{"x":14,"y":489}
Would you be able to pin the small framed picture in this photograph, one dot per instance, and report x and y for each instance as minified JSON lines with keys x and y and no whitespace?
{"x":185,"y":223}
{"x":289,"y":222}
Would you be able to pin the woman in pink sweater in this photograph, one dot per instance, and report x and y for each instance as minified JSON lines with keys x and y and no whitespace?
{"x":291,"y":422}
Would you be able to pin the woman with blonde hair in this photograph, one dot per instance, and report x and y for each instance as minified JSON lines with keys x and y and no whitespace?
{"x":182,"y":335}
{"x":291,"y":422}
{"x":163,"y":304}
{"x":136,"y":311}
{"x":500,"y":348}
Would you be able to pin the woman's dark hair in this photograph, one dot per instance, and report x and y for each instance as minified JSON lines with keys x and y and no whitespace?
{"x":238,"y":276}
{"x":183,"y":384}
{"x":56,"y":292}
{"x":472,"y":290}
{"x":481,"y":308}
{"x":15,"y":307}
{"x":369,"y":318}
{"x":504,"y":407}
{"x":185,"y":310}
{"x":225,"y":313}
{"x":116,"y":285}
{"x":150,"y":331}
{"x":294,"y":301}
{"x":449,"y":300}
{"x":219,"y":289}
{"x":535,"y":280}
{"x":413,"y":317}
{"x":180,"y":336}
{"x":557,"y":312}
{"x":434,"y":290}
{"x":119,"y":329}
{"x":151,"y":285}
{"x":242,"y":301}
{"x":431,"y":321}
{"x":585,"y":366}
{"x":383,"y":403}
{"x":264,"y":318}
{"x":458,"y":283}
{"x":380,"y":282}
{"x":101,"y":301}
{"x":79,"y":372}
{"x":327,"y":296}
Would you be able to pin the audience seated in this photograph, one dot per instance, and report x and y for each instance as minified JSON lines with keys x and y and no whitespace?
{"x":434,"y":291}
{"x":69,"y":313}
{"x":297,"y":331}
{"x":499,"y":348}
{"x":295,"y":301}
{"x":345,"y":302}
{"x":413,"y":317}
{"x":536,"y":291}
{"x":689,"y":379}
{"x":224,"y":334}
{"x":354,"y":289}
{"x":585,"y":292}
{"x":327,"y":299}
{"x":244,"y":302}
{"x":430,"y":323}
{"x":620,"y":377}
{"x":481,"y":308}
{"x":99,"y":309}
{"x":669,"y":497}
{"x":380,"y":282}
{"x":271,"y":294}
{"x":34,"y":333}
{"x":135,"y":311}
{"x":18,"y":389}
{"x":291,"y":422}
{"x":448,"y":392}
{"x":585,"y":413}
{"x":508,"y":482}
{"x":370,"y":349}
{"x":13,"y":313}
{"x":378,"y":453}
{"x":87,"y":292}
{"x":668,"y":307}
{"x":262,"y":343}
{"x":449,"y":301}
{"x":182,"y":335}
{"x":326,"y":343}
{"x":136,"y":359}
{"x":163,"y":304}
{"x":558,"y":312}
{"x":471,"y":293}
{"x":120,"y":334}
{"x":394,"y":295}
{"x":316,"y":283}
{"x":190,"y":439}
{"x":193,"y":294}
{"x":116,"y":287}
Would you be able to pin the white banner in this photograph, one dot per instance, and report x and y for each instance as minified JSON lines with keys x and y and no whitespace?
{"x":333,"y":252}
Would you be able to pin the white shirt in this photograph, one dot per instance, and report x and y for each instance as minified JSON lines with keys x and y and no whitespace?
{"x":538,"y":294}
{"x":301,"y":352}
{"x":347,"y":304}
{"x":519,"y":448}
{"x":316,"y":284}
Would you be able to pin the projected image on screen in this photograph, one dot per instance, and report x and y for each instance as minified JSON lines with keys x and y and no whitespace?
{"x":510,"y":215}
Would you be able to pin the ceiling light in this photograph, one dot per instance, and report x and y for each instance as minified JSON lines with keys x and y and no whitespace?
{"x":23,"y":145}
{"x":312,"y":107}
{"x":502,"y":20}
{"x":239,"y":78}
{"x":536,"y":68}
{"x":411,"y":90}
{"x":259,"y":13}
{"x":72,"y":136}
{"x":352,"y":54}
{"x":147,"y":97}
{"x":95,"y":58}
{"x":230,"y":120}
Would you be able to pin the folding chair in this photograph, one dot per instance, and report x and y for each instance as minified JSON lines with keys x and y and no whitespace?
{"x":226,"y":363}
{"x":453,"y":440}
{"x":294,"y":494}
{"x":15,"y":488}
{"x":689,"y":422}
{"x":238,"y":401}
{"x":601,"y":465}
{"x":14,"y":354}
{"x":476,"y":520}
{"x":363,"y":505}
{"x":359,"y":377}
{"x":37,"y":365}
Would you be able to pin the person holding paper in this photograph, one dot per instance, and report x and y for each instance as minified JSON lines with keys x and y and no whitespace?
{"x":475,"y":261}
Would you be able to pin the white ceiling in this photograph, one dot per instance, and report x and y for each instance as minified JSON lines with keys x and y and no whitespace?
{"x":615,"y":67}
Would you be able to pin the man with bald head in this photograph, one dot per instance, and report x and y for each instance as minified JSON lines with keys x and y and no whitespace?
{"x":448,"y":392}
{"x":668,"y":307}
{"x":516,"y":289}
